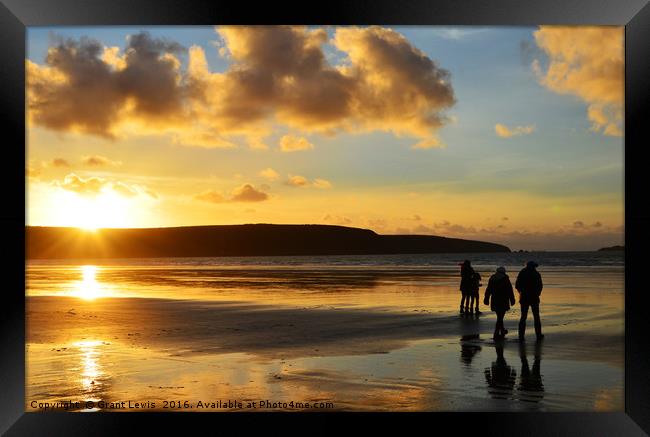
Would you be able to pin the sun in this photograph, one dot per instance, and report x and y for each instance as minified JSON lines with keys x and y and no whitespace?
{"x":105,"y":210}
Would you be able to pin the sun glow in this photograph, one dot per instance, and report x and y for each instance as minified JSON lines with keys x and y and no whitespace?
{"x":106,"y":210}
{"x":88,"y":288}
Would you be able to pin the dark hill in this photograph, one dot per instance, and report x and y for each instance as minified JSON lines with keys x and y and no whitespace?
{"x":612,"y":249}
{"x":235,"y":240}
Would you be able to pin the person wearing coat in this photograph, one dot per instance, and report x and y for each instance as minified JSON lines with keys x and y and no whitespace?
{"x":499,"y":295}
{"x":529,"y":284}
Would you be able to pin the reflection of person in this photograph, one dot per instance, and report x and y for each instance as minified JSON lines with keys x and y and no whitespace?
{"x":499,"y":289}
{"x":500,"y":377}
{"x":529,"y":284}
{"x":530,"y":383}
{"x":468,"y":349}
{"x":466,"y":285}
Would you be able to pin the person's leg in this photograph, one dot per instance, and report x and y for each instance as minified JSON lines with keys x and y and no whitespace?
{"x":538,"y":322}
{"x":471,"y":303}
{"x":498,"y":328}
{"x":476,"y":296}
{"x":462,"y":302}
{"x":522,"y":320}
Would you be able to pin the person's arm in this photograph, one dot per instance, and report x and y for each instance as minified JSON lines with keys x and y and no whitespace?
{"x":511,"y":293}
{"x":488,"y":292}
{"x":540,"y":285}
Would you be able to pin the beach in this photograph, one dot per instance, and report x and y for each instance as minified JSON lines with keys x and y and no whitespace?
{"x":378,"y":333}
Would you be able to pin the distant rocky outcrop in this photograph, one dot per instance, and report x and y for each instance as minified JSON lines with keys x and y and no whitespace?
{"x":235,"y":240}
{"x":612,"y":248}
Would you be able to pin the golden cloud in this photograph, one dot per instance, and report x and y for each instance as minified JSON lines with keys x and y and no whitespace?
{"x":210,"y":196}
{"x":58,"y":162}
{"x":248,"y":193}
{"x":269,"y":174}
{"x":94,"y":186}
{"x":297,"y":181}
{"x":99,"y":161}
{"x":277,"y":75}
{"x":301,"y":181}
{"x":244,"y":193}
{"x":505,"y":132}
{"x":587,"y":62}
{"x":291,"y":143}
{"x":428,"y":143}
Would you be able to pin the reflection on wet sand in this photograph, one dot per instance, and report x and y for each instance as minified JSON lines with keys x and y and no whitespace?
{"x":364,"y":340}
{"x":468,"y":349}
{"x":500,"y":377}
{"x":531,"y":388}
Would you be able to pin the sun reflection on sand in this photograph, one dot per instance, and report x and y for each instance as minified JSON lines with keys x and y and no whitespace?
{"x":90,"y":370}
{"x":88,"y":288}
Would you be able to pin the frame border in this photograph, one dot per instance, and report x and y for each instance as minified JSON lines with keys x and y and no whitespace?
{"x":16,"y":15}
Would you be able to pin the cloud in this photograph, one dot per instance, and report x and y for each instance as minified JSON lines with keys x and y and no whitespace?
{"x":59,"y":162}
{"x":278,"y":75}
{"x":587,"y":62}
{"x":291,"y":143}
{"x":210,"y":196}
{"x":248,"y":193}
{"x":32,"y":172}
{"x":99,"y":161}
{"x":458,"y":33}
{"x":322,"y":183}
{"x":91,"y":186}
{"x":124,"y":189}
{"x":85,"y":87}
{"x":505,"y":132}
{"x":269,"y":174}
{"x":563,"y":238}
{"x":336,"y":219}
{"x":428,"y":143}
{"x":297,"y":181}
{"x":301,"y":181}
{"x":244,"y":193}
{"x":94,"y":186}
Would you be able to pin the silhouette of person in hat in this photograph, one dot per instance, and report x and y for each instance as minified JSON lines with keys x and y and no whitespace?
{"x":529,"y":284}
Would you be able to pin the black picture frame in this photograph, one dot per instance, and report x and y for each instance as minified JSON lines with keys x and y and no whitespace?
{"x":16,"y":15}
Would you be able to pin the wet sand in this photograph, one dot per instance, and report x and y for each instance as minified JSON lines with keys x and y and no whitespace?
{"x":391,"y":342}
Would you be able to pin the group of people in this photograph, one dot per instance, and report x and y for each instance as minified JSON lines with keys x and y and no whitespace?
{"x":500,"y":296}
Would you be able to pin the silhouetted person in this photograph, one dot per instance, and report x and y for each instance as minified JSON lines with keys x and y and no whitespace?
{"x":499,"y":289}
{"x":466,"y":285}
{"x":530,"y":382}
{"x":529,"y":284}
{"x":500,"y":377}
{"x":476,"y":283}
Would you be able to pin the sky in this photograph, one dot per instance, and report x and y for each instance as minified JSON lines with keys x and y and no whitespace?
{"x":506,"y":134}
